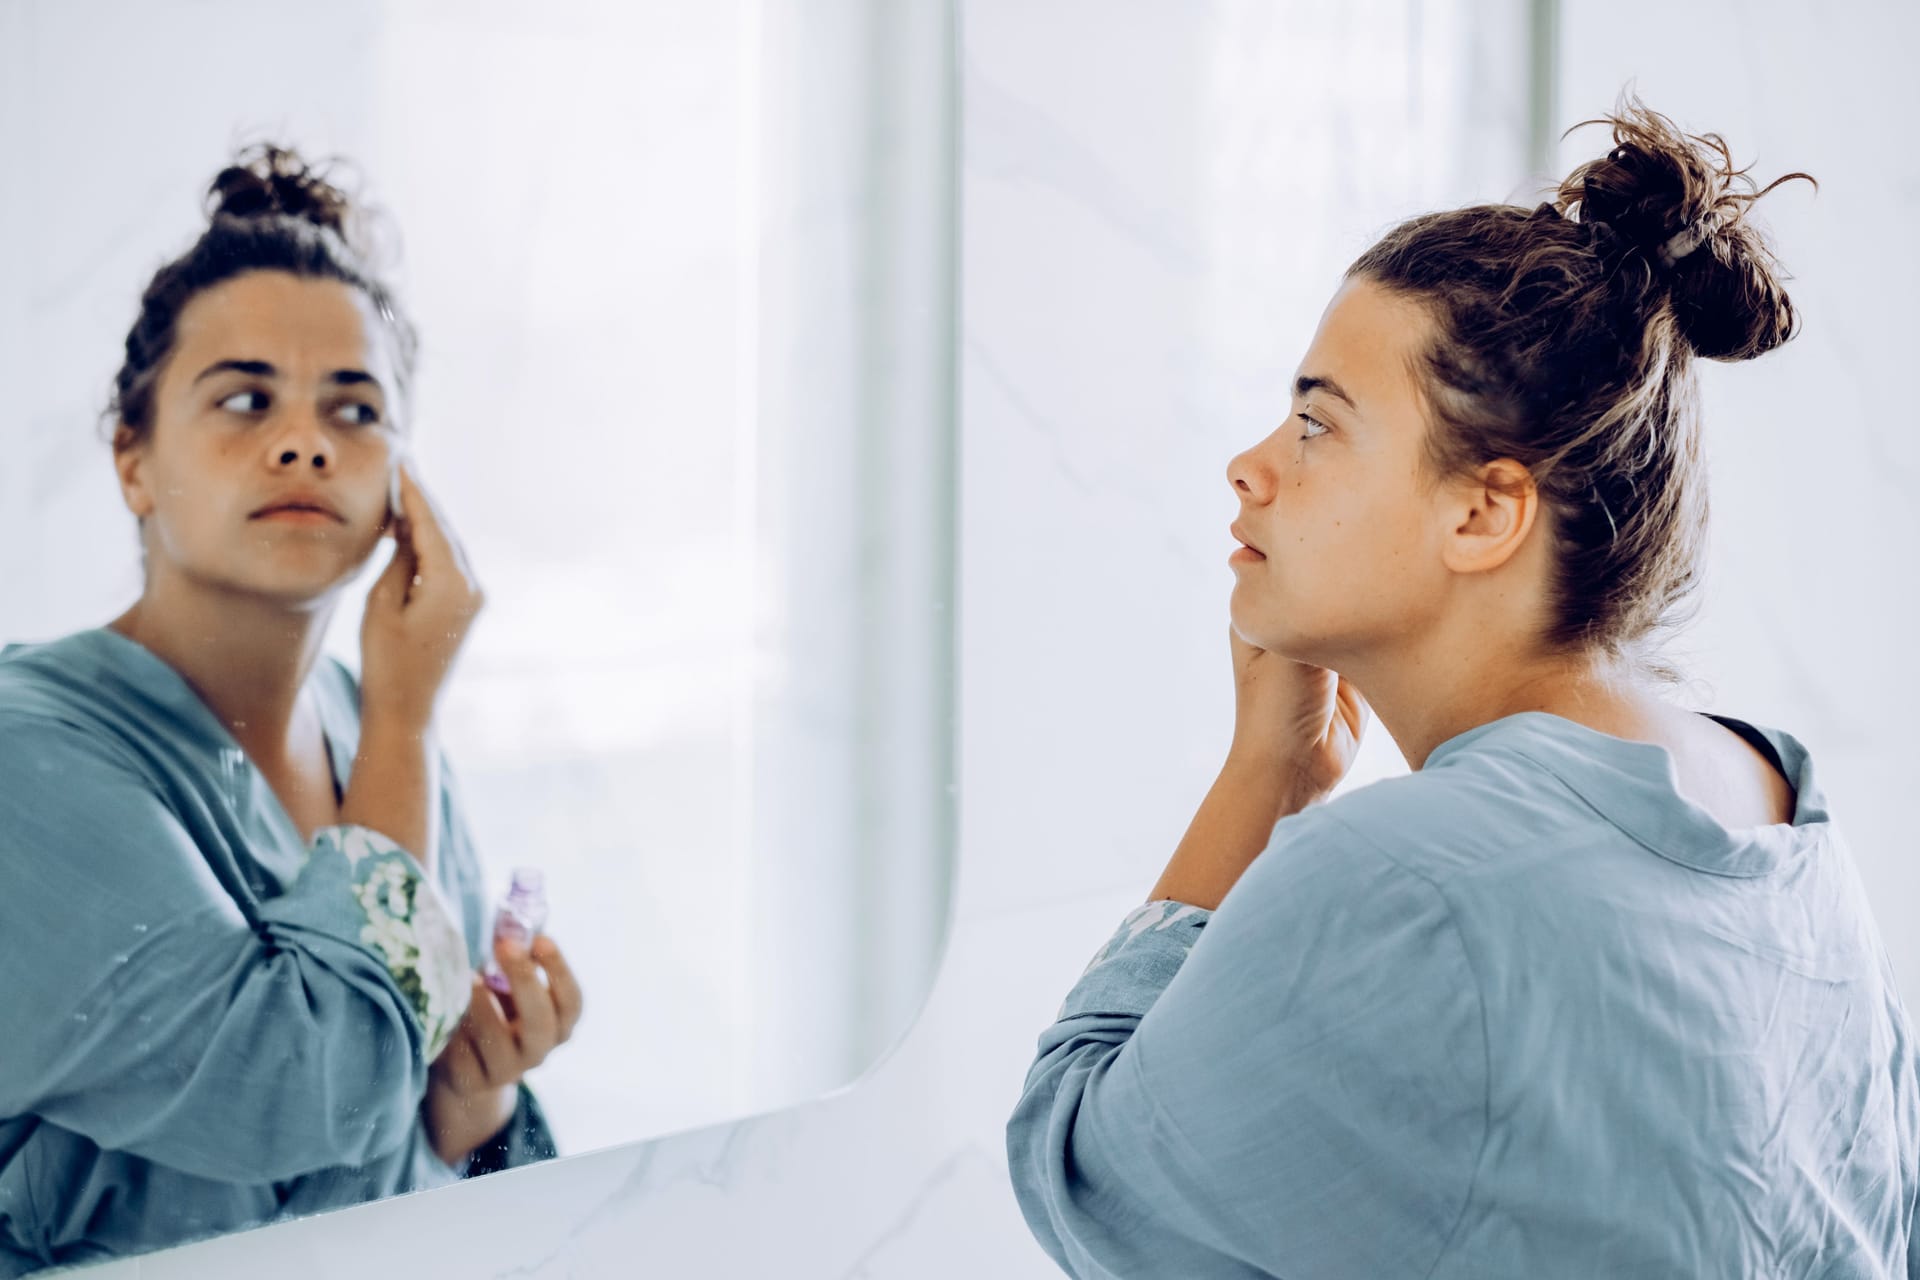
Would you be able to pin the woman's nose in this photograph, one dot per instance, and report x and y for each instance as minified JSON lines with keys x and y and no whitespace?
{"x":302,"y":441}
{"x":1250,"y":480}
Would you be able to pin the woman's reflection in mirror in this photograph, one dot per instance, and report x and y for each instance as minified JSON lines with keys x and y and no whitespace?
{"x":244,"y":914}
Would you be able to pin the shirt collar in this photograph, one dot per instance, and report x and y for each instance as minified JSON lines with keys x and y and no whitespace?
{"x":1633,"y":785}
{"x":102,"y":662}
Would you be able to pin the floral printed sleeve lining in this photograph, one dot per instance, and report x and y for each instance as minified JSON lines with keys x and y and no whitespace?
{"x":408,"y":924}
{"x":1128,"y":973}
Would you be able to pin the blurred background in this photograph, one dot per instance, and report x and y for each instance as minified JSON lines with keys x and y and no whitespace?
{"x":683,"y":276}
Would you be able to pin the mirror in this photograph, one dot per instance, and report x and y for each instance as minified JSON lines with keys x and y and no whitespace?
{"x":682,"y":281}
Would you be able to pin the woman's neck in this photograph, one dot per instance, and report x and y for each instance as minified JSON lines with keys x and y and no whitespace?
{"x":246,"y":658}
{"x":1425,"y":696}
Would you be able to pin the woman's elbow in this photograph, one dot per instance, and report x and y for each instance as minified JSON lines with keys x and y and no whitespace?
{"x":1037,"y":1134}
{"x":339,"y":1087}
{"x":367,"y":1096}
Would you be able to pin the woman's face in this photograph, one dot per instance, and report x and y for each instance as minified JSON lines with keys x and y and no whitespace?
{"x":279,"y":390}
{"x":1346,"y":539}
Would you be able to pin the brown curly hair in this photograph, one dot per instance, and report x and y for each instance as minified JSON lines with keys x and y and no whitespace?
{"x":1564,"y":339}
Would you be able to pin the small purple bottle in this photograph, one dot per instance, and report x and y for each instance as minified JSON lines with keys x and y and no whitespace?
{"x":520,"y":916}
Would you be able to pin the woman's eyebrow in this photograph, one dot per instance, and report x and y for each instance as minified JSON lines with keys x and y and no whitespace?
{"x":261,"y":369}
{"x":1306,"y":384}
{"x":252,"y":368}
{"x":355,"y":377}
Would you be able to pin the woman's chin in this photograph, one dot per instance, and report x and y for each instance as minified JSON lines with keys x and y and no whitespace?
{"x":302,"y":587}
{"x":1257,"y":636}
{"x":1287,"y":642}
{"x":1252,"y":617}
{"x":310,"y":570}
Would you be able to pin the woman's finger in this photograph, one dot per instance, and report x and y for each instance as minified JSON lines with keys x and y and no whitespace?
{"x":460,"y":1065}
{"x":390,"y":588}
{"x":563,"y":986}
{"x":1358,"y":712}
{"x":492,"y":1037}
{"x":434,"y":556}
{"x":534,"y":1022}
{"x":456,"y":549}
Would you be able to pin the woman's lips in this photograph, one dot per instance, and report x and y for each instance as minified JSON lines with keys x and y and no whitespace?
{"x":1247,"y":552}
{"x":298,"y":515}
{"x":299,"y":501}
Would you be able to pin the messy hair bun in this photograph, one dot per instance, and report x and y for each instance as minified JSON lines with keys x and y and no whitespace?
{"x":266,"y":180}
{"x":1677,"y":200}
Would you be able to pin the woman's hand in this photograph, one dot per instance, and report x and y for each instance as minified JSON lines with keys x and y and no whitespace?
{"x":1296,"y":731}
{"x":417,"y":614}
{"x":470,"y":1089}
{"x":1294,"y":718}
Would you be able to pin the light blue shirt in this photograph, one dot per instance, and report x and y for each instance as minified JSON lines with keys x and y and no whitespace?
{"x":1527,"y":1012}
{"x":206,"y":1022}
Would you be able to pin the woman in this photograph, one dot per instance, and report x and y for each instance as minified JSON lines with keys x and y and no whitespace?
{"x":242,"y":911}
{"x":1594,"y":990}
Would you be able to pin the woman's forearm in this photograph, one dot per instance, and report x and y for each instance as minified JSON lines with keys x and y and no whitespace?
{"x":393,"y":785}
{"x":1233,"y":825}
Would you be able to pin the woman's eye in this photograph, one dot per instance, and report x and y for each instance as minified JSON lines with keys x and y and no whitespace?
{"x":1312,"y":421}
{"x":360,"y":415}
{"x":245,"y":402}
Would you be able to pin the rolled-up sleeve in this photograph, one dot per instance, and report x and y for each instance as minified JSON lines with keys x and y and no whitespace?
{"x":1292,"y":1085}
{"x":151,"y":1012}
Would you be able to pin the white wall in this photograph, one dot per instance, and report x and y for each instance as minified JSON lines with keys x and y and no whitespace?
{"x":1158,"y":206}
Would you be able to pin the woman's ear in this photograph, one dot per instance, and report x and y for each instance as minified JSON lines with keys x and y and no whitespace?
{"x":1493,"y":512}
{"x":129,"y":461}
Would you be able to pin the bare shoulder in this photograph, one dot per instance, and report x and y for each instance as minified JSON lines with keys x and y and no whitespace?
{"x":1723,"y":773}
